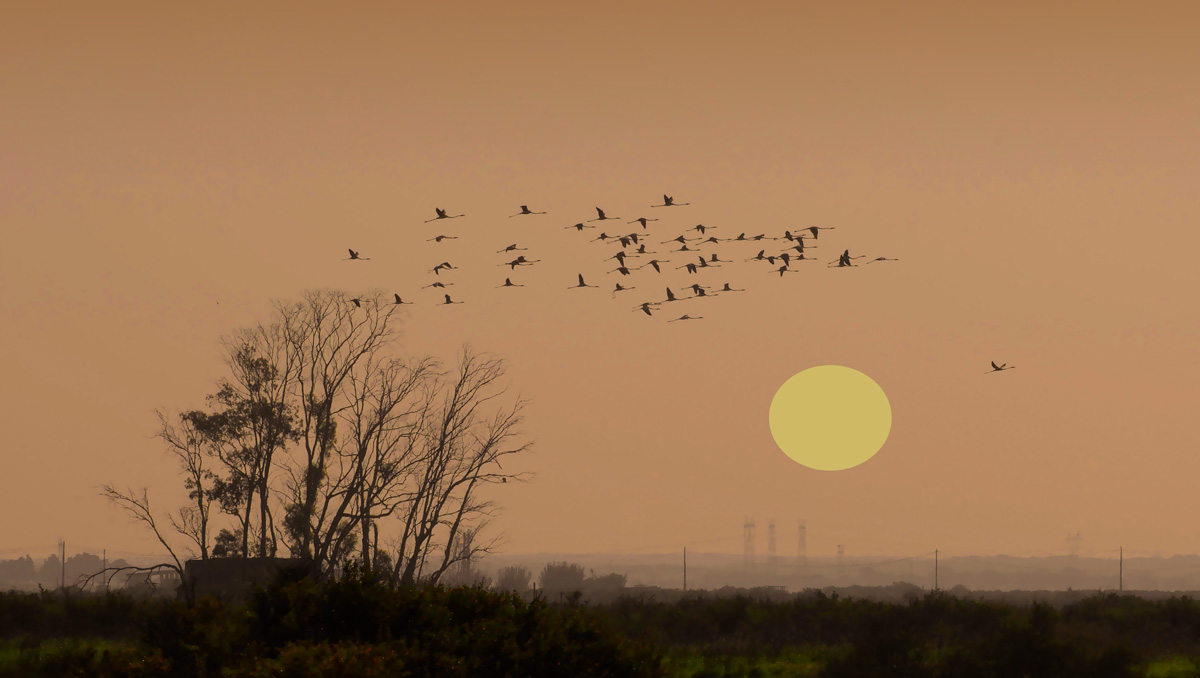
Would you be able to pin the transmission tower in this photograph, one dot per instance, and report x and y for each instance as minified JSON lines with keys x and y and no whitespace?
{"x":748,"y":545}
{"x":771,"y":542}
{"x":803,"y":552}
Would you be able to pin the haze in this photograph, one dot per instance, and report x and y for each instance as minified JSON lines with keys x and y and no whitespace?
{"x":166,"y":171}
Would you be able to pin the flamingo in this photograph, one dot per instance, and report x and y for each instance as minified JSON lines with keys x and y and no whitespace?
{"x":441,"y":214}
{"x":680,"y":239}
{"x":642,"y":250}
{"x":621,"y":269}
{"x":602,"y":216}
{"x":354,"y":257}
{"x":784,"y":269}
{"x":440,"y":238}
{"x":645,"y":307}
{"x":654,"y":264}
{"x":524,"y":210}
{"x":513,"y":248}
{"x":670,"y":296}
{"x":691,"y":268}
{"x":711,"y":239}
{"x":357,"y":302}
{"x":619,"y":256}
{"x":508,"y":283}
{"x":702,"y":228}
{"x":727,"y":288}
{"x":687,"y":317}
{"x":814,"y":230}
{"x":641,"y":220}
{"x":446,"y":265}
{"x":758,"y":257}
{"x":621,"y":289}
{"x":668,"y":201}
{"x":581,"y":283}
{"x":1000,"y":368}
{"x":715,"y":260}
{"x":578,"y":227}
{"x":881,"y":259}
{"x":448,"y":301}
{"x":438,"y":284}
{"x":602,"y":237}
{"x":684,"y":249}
{"x":400,"y":301}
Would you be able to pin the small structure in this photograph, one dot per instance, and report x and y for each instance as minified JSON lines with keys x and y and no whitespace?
{"x":234,"y":579}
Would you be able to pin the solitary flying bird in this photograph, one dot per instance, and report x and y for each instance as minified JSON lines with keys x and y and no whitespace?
{"x":524,"y":210}
{"x":450,"y":302}
{"x":441,"y":214}
{"x":509,"y":283}
{"x":513,"y":247}
{"x":358,"y":304}
{"x":441,"y":238}
{"x":668,"y":201}
{"x":400,"y":301}
{"x":1000,"y":368}
{"x":687,"y":317}
{"x":354,"y":257}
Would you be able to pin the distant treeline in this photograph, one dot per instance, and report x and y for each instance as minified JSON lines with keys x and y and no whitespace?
{"x":21,"y":574}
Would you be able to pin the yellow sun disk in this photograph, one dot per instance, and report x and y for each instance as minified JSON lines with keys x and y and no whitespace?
{"x":830,"y":418}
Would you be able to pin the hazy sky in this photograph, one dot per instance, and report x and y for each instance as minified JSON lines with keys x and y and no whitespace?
{"x":1034,"y":166}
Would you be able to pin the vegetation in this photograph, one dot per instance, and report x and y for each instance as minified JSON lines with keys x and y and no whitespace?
{"x":364,"y":625}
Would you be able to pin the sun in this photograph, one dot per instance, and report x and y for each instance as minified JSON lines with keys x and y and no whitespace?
{"x":830,"y":418}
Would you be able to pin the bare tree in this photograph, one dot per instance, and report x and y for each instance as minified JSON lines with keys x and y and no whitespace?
{"x":187,"y":444}
{"x":139,"y":508}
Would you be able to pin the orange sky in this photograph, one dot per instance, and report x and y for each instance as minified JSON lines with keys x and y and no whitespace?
{"x":1033,"y":165}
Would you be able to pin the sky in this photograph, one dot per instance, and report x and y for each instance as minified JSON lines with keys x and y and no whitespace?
{"x":166,"y":171}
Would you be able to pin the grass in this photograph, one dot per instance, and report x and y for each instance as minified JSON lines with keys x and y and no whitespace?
{"x":801,"y":662}
{"x":1173,"y":667}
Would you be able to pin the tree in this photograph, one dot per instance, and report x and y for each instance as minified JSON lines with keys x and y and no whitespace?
{"x":515,"y":579}
{"x":323,"y":442}
{"x":560,"y":578}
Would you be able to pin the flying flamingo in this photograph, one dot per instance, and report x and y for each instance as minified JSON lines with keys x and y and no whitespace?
{"x":621,"y":269}
{"x":446,"y":265}
{"x":508,"y":283}
{"x":691,"y":268}
{"x":702,"y":228}
{"x":441,"y":214}
{"x":354,"y":257}
{"x":513,"y":248}
{"x":680,"y":239}
{"x":438,"y":284}
{"x":654,"y":263}
{"x":524,"y":210}
{"x":669,"y":201}
{"x":400,"y":301}
{"x":578,"y":227}
{"x":358,"y":304}
{"x":881,"y":259}
{"x":687,"y":317}
{"x":641,"y":220}
{"x":450,"y":302}
{"x":602,"y":217}
{"x":441,"y":238}
{"x":621,"y":289}
{"x":645,"y":307}
{"x":581,"y":283}
{"x":642,"y":250}
{"x":1000,"y":368}
{"x":727,"y":288}
{"x":815,"y":229}
{"x":758,"y":257}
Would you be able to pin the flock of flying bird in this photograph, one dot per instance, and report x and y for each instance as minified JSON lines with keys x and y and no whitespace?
{"x":633,"y":246}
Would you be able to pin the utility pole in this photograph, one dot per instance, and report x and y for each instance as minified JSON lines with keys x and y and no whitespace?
{"x":1121,"y":572}
{"x":685,"y":568}
{"x":63,"y":544}
{"x":104,"y":572}
{"x":935,"y":569}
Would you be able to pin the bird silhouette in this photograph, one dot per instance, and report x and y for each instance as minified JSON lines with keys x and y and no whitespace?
{"x":714,"y":259}
{"x":441,"y":214}
{"x":1000,"y":368}
{"x":670,"y":296}
{"x":581,"y":283}
{"x":784,"y":269}
{"x":702,"y":228}
{"x":602,"y":237}
{"x":687,"y":317}
{"x":524,"y":210}
{"x":446,"y":265}
{"x":448,"y":301}
{"x":668,"y":201}
{"x":357,"y":302}
{"x":440,"y":238}
{"x":642,"y":249}
{"x":680,"y":239}
{"x":621,"y":269}
{"x":762,"y":254}
{"x":354,"y":257}
{"x":508,"y":283}
{"x":645,"y":307}
{"x":685,"y":248}
{"x":513,"y":248}
{"x":727,"y":288}
{"x":438,"y":284}
{"x":711,"y":239}
{"x":619,"y":256}
{"x":602,"y":216}
{"x":400,"y":301}
{"x":641,"y":220}
{"x":881,"y":259}
{"x":691,"y":268}
{"x":578,"y":227}
{"x":815,"y":230}
{"x":619,"y":288}
{"x":653,"y":263}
